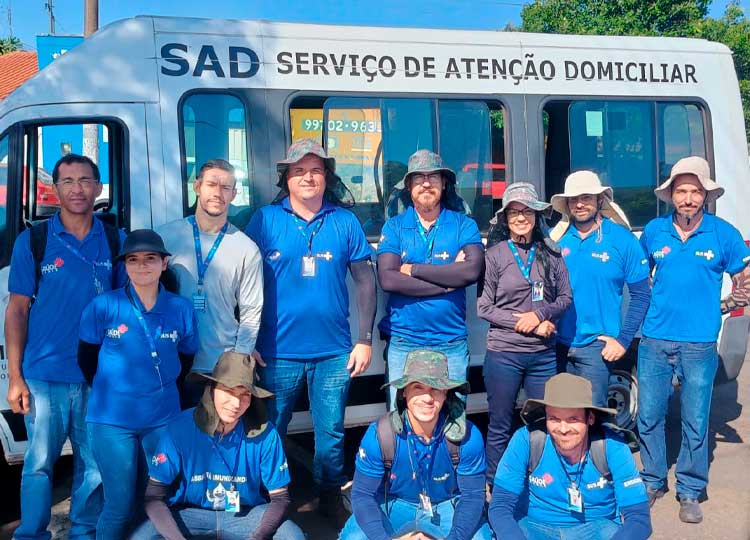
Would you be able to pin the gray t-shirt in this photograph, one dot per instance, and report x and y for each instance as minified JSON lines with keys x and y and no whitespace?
{"x":234,"y":279}
{"x":506,"y":292}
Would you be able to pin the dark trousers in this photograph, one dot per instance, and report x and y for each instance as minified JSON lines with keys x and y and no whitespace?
{"x":504,"y":375}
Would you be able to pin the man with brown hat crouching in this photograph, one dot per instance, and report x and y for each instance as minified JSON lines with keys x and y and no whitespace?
{"x":218,"y":455}
{"x":572,"y":477}
{"x":420,"y":468}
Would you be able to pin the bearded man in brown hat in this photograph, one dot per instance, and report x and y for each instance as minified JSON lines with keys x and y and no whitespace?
{"x":206,"y":474}
{"x":571,"y":476}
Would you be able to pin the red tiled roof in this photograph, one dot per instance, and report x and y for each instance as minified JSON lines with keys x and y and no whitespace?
{"x":15,"y":68}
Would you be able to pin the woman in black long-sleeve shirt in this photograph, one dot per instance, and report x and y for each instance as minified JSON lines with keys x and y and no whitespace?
{"x":526,"y":290}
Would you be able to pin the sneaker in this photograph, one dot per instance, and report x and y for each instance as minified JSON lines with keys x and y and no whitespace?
{"x":654,"y":494}
{"x":332,"y":506}
{"x":690,"y":511}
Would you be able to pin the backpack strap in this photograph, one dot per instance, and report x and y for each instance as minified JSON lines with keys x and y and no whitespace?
{"x":537,"y":439}
{"x":598,"y":451}
{"x":113,"y":241}
{"x":454,"y":448}
{"x":38,"y":245}
{"x":387,"y":442}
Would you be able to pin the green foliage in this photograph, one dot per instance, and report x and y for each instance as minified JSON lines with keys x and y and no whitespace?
{"x":9,"y":44}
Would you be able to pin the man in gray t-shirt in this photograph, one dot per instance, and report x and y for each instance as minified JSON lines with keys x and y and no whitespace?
{"x":219,"y":269}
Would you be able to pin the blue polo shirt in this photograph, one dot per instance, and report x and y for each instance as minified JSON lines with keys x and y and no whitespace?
{"x":431,"y":320}
{"x":413,"y":455}
{"x":599,"y":265}
{"x":544,"y":491}
{"x":686,"y":292}
{"x":306,"y":317}
{"x":128,"y":391}
{"x":66,"y":287}
{"x":205,"y":467}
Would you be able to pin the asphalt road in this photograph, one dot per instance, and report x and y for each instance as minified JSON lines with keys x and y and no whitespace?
{"x":726,"y":510}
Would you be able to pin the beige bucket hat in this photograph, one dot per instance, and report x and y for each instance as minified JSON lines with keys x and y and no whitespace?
{"x":585,"y":183}
{"x":565,"y":391}
{"x":696,"y":166}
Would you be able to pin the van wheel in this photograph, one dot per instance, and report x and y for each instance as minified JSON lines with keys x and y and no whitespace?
{"x":623,"y":397}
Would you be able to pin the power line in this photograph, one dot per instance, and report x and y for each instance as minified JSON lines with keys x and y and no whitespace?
{"x":49,"y":5}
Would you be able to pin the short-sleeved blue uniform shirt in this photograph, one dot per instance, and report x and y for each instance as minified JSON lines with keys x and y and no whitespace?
{"x":66,"y":287}
{"x":692,"y":269}
{"x":545,"y":490}
{"x":412,"y":459}
{"x":128,"y":389}
{"x":205,"y":467}
{"x":306,"y":316}
{"x":436,"y":319}
{"x":599,"y":266}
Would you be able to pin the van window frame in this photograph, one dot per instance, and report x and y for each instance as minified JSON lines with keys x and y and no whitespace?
{"x":653,"y":100}
{"x":486,"y":98}
{"x":234,"y":92}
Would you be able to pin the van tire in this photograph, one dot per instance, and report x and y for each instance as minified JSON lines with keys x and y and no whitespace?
{"x":623,"y":397}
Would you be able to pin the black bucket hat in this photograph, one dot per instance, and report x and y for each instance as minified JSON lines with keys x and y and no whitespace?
{"x":142,"y":241}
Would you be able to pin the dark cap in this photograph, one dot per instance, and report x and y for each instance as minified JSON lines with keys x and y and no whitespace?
{"x":142,"y":241}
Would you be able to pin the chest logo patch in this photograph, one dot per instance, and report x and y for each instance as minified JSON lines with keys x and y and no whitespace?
{"x":158,"y":459}
{"x":661,"y":253}
{"x":116,"y":333}
{"x":603,"y":256}
{"x":442,"y":256}
{"x":708,"y":254}
{"x":541,"y":481}
{"x":442,"y":478}
{"x":565,"y":251}
{"x":327,"y":255}
{"x":599,"y":484}
{"x":53,"y":266}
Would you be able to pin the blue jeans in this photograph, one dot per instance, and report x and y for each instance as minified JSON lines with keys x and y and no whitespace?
{"x":58,"y":411}
{"x":203,"y":523}
{"x":587,"y":362}
{"x":395,"y":358}
{"x":405,"y":517}
{"x":327,"y":389}
{"x":504,"y":373}
{"x":122,"y":455}
{"x":695,"y":366}
{"x":600,"y":529}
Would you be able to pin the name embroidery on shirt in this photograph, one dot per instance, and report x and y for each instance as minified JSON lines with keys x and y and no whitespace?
{"x":709,"y":254}
{"x":604,"y":256}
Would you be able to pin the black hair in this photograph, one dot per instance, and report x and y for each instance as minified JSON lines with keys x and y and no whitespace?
{"x":70,"y":159}
{"x":216,"y":163}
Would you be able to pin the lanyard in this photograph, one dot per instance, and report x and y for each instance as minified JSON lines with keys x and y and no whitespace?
{"x":201,"y":264}
{"x":524,"y":268}
{"x":302,"y":228}
{"x":150,"y":339}
{"x":573,"y":482}
{"x":231,"y":470}
{"x":425,"y":473}
{"x":428,"y":237}
{"x":97,"y":283}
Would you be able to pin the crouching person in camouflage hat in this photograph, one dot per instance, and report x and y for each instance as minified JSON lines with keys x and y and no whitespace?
{"x":206,"y":473}
{"x":420,"y":468}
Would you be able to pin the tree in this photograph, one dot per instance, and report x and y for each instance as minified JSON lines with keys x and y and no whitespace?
{"x":684,"y":18}
{"x":9,"y":44}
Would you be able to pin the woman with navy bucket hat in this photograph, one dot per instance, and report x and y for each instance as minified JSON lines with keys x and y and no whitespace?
{"x":131,"y":340}
{"x":526,"y":290}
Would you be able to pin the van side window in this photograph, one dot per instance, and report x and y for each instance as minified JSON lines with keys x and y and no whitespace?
{"x":631,"y":145}
{"x":4,"y":255}
{"x":45,"y":144}
{"x":372,"y":139}
{"x":213,"y":125}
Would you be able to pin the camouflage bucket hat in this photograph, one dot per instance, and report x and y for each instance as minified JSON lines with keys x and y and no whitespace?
{"x":425,"y":162}
{"x":299,"y":149}
{"x":430,"y":368}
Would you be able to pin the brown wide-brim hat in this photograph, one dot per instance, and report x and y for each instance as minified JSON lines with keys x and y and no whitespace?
{"x":696,"y":166}
{"x":426,"y":162}
{"x":235,"y":369}
{"x":565,"y":391}
{"x":429,"y":368}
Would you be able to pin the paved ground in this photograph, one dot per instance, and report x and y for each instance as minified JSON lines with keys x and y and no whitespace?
{"x":727,"y":510}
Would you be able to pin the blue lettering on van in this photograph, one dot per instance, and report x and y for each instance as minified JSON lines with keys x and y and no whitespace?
{"x":243,"y":61}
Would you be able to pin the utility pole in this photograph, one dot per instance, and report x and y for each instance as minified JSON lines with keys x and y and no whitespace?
{"x":91,"y":131}
{"x":50,"y":7}
{"x":10,"y":19}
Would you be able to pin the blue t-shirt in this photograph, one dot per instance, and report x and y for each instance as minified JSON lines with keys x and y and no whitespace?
{"x":545,"y":491}
{"x":431,"y":320}
{"x":306,"y":317}
{"x":66,"y":287}
{"x":692,"y":270}
{"x":206,"y":467}
{"x":599,"y":265}
{"x":413,"y":456}
{"x":128,"y":390}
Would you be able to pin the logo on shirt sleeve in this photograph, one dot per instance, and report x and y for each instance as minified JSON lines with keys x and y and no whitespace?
{"x":273,"y":255}
{"x":632,"y":482}
{"x":361,"y":453}
{"x":158,"y":459}
{"x":284,"y":466}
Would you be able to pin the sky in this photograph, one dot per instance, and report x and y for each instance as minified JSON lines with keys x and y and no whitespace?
{"x":29,"y":17}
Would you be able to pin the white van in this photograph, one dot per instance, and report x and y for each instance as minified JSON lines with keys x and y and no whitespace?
{"x":162,"y":95}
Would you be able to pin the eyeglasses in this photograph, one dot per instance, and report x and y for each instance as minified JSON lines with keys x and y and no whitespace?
{"x":85,"y":183}
{"x":432,"y":178}
{"x":512,"y":213}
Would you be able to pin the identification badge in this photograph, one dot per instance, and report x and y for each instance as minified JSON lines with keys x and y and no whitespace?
{"x":537,"y":291}
{"x":575,"y":499}
{"x":199,"y":302}
{"x":425,"y":503}
{"x":308,"y":266}
{"x":233,"y":501}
